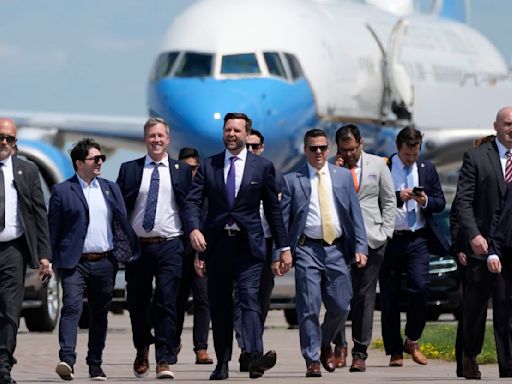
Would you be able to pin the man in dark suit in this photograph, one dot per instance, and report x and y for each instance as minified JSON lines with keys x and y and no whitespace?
{"x":23,"y":239}
{"x":233,"y":245}
{"x":322,"y":212}
{"x":480,"y":188}
{"x":154,"y":188}
{"x":415,"y":236}
{"x":88,"y":229}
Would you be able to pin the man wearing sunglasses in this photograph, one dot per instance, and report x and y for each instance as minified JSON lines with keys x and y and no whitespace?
{"x":23,"y":239}
{"x":154,"y":188}
{"x":327,"y":234}
{"x":89,"y":233}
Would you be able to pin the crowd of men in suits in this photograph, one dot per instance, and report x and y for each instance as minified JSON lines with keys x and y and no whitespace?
{"x":220,"y":226}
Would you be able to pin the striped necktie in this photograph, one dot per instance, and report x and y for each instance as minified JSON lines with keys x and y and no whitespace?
{"x":508,"y":167}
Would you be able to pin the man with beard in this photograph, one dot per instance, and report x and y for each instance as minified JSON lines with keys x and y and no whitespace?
{"x":233,"y":245}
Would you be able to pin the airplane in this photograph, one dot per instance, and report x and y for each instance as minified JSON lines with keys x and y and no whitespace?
{"x":292,"y":65}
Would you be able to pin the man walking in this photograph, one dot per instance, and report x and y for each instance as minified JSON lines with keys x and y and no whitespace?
{"x":154,"y":188}
{"x":323,"y":215}
{"x":88,"y":225}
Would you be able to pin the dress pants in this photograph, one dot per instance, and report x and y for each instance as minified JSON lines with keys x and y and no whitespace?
{"x":97,"y":279}
{"x":321,"y":274}
{"x":12,"y":278}
{"x":264,"y":295}
{"x":164,"y":262}
{"x":480,"y":283}
{"x":190,"y":280}
{"x":407,"y":252}
{"x":364,"y":285}
{"x":231,"y":262}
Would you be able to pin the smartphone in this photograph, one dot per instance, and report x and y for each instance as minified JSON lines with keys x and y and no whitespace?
{"x":45,"y":280}
{"x":417,"y":190}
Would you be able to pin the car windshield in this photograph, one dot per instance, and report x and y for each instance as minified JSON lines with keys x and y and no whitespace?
{"x":240,"y":64}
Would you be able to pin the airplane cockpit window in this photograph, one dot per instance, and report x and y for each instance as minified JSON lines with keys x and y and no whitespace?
{"x":274,"y":64}
{"x":294,"y":65}
{"x":163,"y":65}
{"x":194,"y":65}
{"x":240,"y":64}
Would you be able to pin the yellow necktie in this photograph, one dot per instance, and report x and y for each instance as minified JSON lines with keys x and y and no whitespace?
{"x":325,"y":212}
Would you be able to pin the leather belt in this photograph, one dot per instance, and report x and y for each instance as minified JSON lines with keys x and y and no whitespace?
{"x":321,"y":242}
{"x":231,"y":232}
{"x":95,"y":256}
{"x":152,"y":240}
{"x":406,"y":232}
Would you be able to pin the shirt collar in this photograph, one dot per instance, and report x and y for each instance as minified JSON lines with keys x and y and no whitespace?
{"x":164,"y":162}
{"x":402,"y":165}
{"x":7,"y":163}
{"x":94,"y":182}
{"x":501,"y":149}
{"x":242,"y":155}
{"x":313,"y":171}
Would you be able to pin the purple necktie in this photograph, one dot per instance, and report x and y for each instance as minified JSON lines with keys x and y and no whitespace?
{"x":230,"y":185}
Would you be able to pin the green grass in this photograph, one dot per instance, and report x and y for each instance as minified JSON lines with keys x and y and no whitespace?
{"x":438,"y":342}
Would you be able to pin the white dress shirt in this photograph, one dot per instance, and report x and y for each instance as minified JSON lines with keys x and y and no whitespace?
{"x":167,"y":219}
{"x":313,"y":228}
{"x":98,"y":238}
{"x":13,"y":228}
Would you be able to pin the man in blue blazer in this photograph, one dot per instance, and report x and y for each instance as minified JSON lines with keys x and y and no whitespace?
{"x":154,"y":189}
{"x":419,"y":195}
{"x":232,"y":242}
{"x":89,"y":233}
{"x":326,"y":228}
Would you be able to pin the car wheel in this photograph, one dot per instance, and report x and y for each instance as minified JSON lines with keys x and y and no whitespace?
{"x":290,"y":315}
{"x":45,"y":318}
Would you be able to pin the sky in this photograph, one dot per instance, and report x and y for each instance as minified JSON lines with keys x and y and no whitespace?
{"x":94,"y":56}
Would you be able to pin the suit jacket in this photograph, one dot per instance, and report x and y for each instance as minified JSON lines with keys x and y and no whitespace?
{"x":429,"y":179}
{"x":258,"y":184}
{"x":500,"y":233}
{"x":377,"y":199}
{"x":130,"y":177}
{"x":295,"y":203}
{"x":32,"y":210}
{"x":68,"y":218}
{"x":480,"y":187}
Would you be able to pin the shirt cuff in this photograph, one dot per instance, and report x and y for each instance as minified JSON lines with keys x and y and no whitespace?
{"x":426,"y":203}
{"x":492,"y":257}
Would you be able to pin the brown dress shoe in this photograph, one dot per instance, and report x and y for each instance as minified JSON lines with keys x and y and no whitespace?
{"x":202,"y":357}
{"x":396,"y":360}
{"x":340,"y":356}
{"x":327,"y":359}
{"x":470,"y":368}
{"x":314,"y":370}
{"x":358,"y":365}
{"x":141,"y":363}
{"x":413,"y":349}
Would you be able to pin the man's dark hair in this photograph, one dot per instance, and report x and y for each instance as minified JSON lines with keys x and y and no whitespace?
{"x":187,"y":152}
{"x":152,"y":121}
{"x":239,"y":115}
{"x":314,"y":133}
{"x":409,"y":136}
{"x":347,"y":132}
{"x":255,"y":132}
{"x":80,"y":149}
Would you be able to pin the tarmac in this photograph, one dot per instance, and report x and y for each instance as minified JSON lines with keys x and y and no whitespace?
{"x":37,"y":355}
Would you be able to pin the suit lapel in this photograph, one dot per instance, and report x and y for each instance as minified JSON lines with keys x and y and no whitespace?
{"x":421,"y":172}
{"x":218,"y":174}
{"x":174,"y":168}
{"x":75,"y":186}
{"x":494,"y":158}
{"x":250,"y":163}
{"x":305,"y":182}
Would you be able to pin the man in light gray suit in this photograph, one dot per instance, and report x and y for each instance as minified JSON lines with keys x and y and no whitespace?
{"x":374,"y":186}
{"x":326,"y":231}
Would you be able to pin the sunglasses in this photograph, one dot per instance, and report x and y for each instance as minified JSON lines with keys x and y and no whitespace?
{"x":9,"y":139}
{"x":253,"y":146}
{"x":314,"y":148}
{"x":97,"y":158}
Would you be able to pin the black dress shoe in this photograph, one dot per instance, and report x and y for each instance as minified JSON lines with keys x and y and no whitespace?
{"x":244,"y":360}
{"x":221,"y":372}
{"x":261,"y":363}
{"x":470,"y":368}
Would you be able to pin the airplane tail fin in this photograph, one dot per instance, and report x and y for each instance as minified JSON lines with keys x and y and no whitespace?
{"x":452,"y":9}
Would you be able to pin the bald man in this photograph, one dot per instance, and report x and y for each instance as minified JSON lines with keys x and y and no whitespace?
{"x":23,"y":239}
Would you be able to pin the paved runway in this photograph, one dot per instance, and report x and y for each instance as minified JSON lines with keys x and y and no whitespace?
{"x":37,"y":355}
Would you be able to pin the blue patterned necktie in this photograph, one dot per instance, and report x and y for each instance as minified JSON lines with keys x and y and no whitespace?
{"x":411,"y":204}
{"x":150,"y":211}
{"x":231,"y":185}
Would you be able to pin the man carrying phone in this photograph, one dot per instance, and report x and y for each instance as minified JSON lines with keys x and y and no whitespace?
{"x":23,"y":239}
{"x":89,"y":231}
{"x":414,"y":238}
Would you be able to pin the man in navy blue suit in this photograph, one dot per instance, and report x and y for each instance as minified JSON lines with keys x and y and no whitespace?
{"x":154,"y":188}
{"x":232,"y":243}
{"x":414,"y":238}
{"x":322,"y":211}
{"x":89,"y":233}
